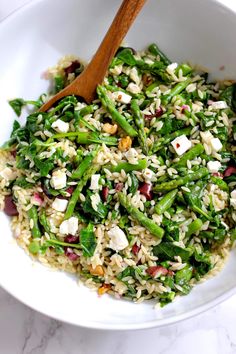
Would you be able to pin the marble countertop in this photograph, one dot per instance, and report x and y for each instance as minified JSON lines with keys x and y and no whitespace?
{"x":24,"y":331}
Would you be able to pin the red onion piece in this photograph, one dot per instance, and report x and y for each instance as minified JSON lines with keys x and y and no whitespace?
{"x":119,"y":187}
{"x":230,"y":170}
{"x":72,"y":67}
{"x":71,"y":239}
{"x":105,"y":193}
{"x":135,"y":249}
{"x":10,"y":207}
{"x":158,"y":113}
{"x":70,"y":254}
{"x":156,"y":271}
{"x":146,"y":189}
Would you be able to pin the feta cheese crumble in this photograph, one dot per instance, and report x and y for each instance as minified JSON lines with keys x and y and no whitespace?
{"x":58,"y":180}
{"x":181,"y":144}
{"x":60,"y":126}
{"x":69,"y":227}
{"x":213,"y":166}
{"x":94,"y":185}
{"x":118,"y":239}
{"x":59,"y":204}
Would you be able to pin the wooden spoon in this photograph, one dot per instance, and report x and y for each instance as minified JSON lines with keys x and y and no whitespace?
{"x":85,"y":84}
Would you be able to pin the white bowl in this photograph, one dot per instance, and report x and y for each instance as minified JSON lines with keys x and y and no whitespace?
{"x":33,"y":39}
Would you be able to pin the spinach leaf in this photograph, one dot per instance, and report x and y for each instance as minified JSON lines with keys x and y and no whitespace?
{"x":193,"y":198}
{"x":17,"y":104}
{"x":167,"y":251}
{"x":127,"y":272}
{"x":23,"y":183}
{"x":134,"y":185}
{"x":59,"y":83}
{"x":44,"y":166}
{"x":229,"y":96}
{"x":183,"y":276}
{"x":126,"y":56}
{"x":102,"y":209}
{"x":88,"y":240}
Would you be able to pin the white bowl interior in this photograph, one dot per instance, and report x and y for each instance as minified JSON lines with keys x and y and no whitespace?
{"x":202,"y":32}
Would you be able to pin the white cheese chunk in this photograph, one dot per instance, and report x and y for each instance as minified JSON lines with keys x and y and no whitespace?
{"x":132,"y":156}
{"x":121,"y":97}
{"x":133,"y":88}
{"x":94,"y":185}
{"x":69,"y":227}
{"x":181,"y":144}
{"x":58,"y":180}
{"x":95,"y":200}
{"x":59,"y":204}
{"x":118,"y":240}
{"x":213,"y":166}
{"x":219,"y":105}
{"x":60,"y":126}
{"x":216,"y":144}
{"x":233,"y":194}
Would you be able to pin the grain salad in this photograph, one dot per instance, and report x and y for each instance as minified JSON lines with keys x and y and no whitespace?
{"x":135,"y":193}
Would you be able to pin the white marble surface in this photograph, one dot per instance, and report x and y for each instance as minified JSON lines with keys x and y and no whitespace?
{"x":24,"y":331}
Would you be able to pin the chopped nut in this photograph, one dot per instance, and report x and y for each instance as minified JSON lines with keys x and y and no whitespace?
{"x":103,"y":289}
{"x":125,"y":143}
{"x":109,"y":128}
{"x":98,"y":270}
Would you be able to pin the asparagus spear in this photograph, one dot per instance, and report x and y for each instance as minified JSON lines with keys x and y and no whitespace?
{"x":84,"y":165}
{"x":175,"y":183}
{"x":194,"y":227}
{"x":158,"y":145}
{"x":149,"y":224}
{"x":87,"y":138}
{"x":116,"y":116}
{"x":166,"y":202}
{"x":176,"y":90}
{"x":75,"y":195}
{"x":33,"y":215}
{"x":139,"y":121}
{"x":195,"y":151}
{"x":128,"y":167}
{"x":153,"y":49}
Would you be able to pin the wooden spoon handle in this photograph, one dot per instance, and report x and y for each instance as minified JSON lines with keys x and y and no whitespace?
{"x":85,"y":84}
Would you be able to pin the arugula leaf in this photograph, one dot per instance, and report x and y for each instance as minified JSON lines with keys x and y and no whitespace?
{"x":102,"y":209}
{"x":88,"y":240}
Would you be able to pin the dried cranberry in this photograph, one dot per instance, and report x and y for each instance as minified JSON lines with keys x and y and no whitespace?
{"x":158,"y":113}
{"x":10,"y":207}
{"x":230,"y":170}
{"x":105,"y":193}
{"x":70,"y":254}
{"x":135,"y":249}
{"x":146,"y":189}
{"x":157,"y":270}
{"x":71,"y":239}
{"x":119,"y":187}
{"x":72,"y":67}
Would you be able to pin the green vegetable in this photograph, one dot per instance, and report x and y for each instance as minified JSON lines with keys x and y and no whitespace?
{"x":34,"y":247}
{"x":158,"y":144}
{"x":33,"y":215}
{"x":166,"y":202}
{"x":128,"y":167}
{"x":167,"y":251}
{"x":84,"y":165}
{"x":183,"y":277}
{"x":59,"y":83}
{"x":135,"y":184}
{"x":88,"y":240}
{"x":229,"y":96}
{"x":75,"y":195}
{"x":194,"y":227}
{"x":220,"y":183}
{"x":87,"y":138}
{"x":153,"y":49}
{"x":116,"y":116}
{"x":179,"y":87}
{"x":139,"y":121}
{"x":193,"y":198}
{"x":17,"y":104}
{"x":102,"y":209}
{"x":168,"y":186}
{"x":195,"y":151}
{"x":149,"y":224}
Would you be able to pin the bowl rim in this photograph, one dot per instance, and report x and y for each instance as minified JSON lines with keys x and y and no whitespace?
{"x":112,"y":327}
